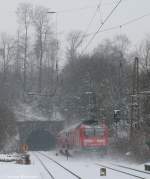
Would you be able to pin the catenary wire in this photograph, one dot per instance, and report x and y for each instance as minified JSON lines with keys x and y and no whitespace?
{"x":122,"y":25}
{"x":91,"y":21}
{"x":105,"y":20}
{"x":80,"y":8}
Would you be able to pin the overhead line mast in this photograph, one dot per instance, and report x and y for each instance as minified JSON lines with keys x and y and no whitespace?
{"x":135,"y":108}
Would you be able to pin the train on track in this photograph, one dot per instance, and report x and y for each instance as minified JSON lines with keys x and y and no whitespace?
{"x":84,"y":136}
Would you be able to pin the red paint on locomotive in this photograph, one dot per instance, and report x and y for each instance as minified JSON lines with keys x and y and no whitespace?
{"x":84,"y":136}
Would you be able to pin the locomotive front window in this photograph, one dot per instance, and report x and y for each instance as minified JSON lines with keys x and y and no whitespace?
{"x":89,"y":132}
{"x":99,"y":132}
{"x":94,"y":132}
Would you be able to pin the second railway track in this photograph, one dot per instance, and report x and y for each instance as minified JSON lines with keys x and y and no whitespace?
{"x":130,"y":168}
{"x":135,"y":173}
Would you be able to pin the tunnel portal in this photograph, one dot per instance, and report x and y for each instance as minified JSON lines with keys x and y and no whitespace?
{"x":41,"y":140}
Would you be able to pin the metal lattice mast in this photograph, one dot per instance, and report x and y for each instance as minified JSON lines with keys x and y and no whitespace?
{"x":135,"y":100}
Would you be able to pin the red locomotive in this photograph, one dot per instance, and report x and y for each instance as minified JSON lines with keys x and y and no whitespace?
{"x":87,"y":135}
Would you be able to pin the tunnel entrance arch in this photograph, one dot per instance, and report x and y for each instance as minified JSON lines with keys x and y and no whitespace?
{"x":40,"y":140}
{"x":44,"y":131}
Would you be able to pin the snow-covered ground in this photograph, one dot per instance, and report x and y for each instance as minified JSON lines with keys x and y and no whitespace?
{"x":86,"y":167}
{"x":16,"y":171}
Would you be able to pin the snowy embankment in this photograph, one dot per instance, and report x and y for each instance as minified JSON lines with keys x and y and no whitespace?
{"x":9,"y":157}
{"x":10,"y":169}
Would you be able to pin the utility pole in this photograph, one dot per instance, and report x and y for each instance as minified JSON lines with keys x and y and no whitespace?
{"x":53,"y":71}
{"x":118,"y":112}
{"x":135,"y":100}
{"x":120,"y":82}
{"x":92,"y":101}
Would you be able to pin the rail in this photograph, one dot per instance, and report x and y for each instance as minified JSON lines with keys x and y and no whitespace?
{"x":44,"y":166}
{"x":51,"y":159}
{"x":122,"y":166}
{"x":120,"y":171}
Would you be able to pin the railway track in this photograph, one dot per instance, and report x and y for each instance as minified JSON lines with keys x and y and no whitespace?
{"x":133,"y":169}
{"x":37,"y":154}
{"x":128,"y":170}
{"x":45,"y":160}
{"x":44,"y":166}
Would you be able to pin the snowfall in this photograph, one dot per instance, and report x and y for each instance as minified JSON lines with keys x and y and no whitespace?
{"x":85,"y":167}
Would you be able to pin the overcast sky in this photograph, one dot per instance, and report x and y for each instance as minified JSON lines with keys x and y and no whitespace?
{"x":74,"y":18}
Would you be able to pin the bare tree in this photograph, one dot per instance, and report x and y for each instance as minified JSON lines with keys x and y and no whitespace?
{"x":41,"y":24}
{"x":144,"y":54}
{"x":121,"y":42}
{"x":7,"y":125}
{"x":24,"y":13}
{"x":17,"y":55}
{"x":7,"y":45}
{"x":75,"y":40}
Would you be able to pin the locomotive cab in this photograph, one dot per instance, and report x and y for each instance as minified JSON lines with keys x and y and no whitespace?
{"x":94,"y":137}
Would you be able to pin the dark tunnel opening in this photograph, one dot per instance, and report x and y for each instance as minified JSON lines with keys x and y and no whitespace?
{"x":41,"y":140}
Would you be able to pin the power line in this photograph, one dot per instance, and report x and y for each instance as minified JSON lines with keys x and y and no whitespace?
{"x":75,"y":9}
{"x":91,"y":21}
{"x":114,"y":2}
{"x":72,"y":10}
{"x":136,"y":19}
{"x":122,"y":25}
{"x":100,"y":12}
{"x":105,"y":20}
